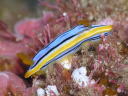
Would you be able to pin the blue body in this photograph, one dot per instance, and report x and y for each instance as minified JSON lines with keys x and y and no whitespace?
{"x":60,"y":40}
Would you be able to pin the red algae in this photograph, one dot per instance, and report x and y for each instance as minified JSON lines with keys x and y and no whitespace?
{"x":13,"y":85}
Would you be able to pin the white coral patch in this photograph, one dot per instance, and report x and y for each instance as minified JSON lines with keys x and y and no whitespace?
{"x":79,"y":76}
{"x":40,"y":92}
{"x":66,"y":64}
{"x":64,"y":14}
{"x":51,"y":90}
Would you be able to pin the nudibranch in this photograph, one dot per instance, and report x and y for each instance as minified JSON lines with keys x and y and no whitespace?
{"x":66,"y":43}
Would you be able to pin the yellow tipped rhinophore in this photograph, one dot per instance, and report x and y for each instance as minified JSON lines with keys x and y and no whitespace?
{"x":65,"y":44}
{"x":29,"y":73}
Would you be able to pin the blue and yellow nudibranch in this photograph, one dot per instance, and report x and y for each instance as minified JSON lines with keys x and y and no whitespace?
{"x":66,"y":43}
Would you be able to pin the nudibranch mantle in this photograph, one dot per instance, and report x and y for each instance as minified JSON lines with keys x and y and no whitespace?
{"x":66,"y":43}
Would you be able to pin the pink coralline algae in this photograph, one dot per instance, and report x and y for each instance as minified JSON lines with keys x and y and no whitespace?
{"x":10,"y":49}
{"x":13,"y":85}
{"x":121,"y":27}
{"x":30,"y":27}
{"x":106,"y":21}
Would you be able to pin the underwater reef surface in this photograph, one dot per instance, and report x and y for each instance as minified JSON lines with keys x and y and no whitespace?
{"x":97,"y":69}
